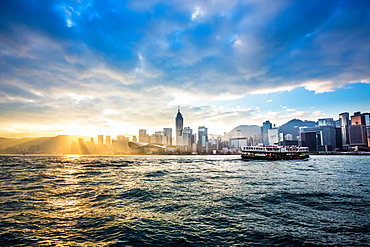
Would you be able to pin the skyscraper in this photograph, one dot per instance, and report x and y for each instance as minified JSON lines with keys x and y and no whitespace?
{"x":187,"y":134}
{"x":143,"y":137}
{"x":344,"y":123}
{"x":179,"y":122}
{"x":167,"y":136}
{"x":107,"y":140}
{"x":326,"y":122}
{"x":265,"y":127}
{"x":202,"y":139}
{"x":360,"y":134}
{"x":100,"y":139}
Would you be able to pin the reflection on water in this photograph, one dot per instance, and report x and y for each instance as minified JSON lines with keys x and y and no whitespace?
{"x":183,"y":200}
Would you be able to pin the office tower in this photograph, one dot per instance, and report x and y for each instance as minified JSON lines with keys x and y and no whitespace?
{"x":107,"y":140}
{"x":311,"y":139}
{"x":122,"y":144}
{"x":273,"y":136}
{"x":142,"y":136}
{"x":100,"y":139}
{"x":153,"y":139}
{"x":359,"y":130}
{"x":358,"y":118}
{"x":357,"y":135}
{"x":326,"y":122}
{"x":237,"y":143}
{"x":289,"y":137}
{"x":179,"y":122}
{"x":134,"y":139}
{"x":167,"y":136}
{"x":202,"y":139}
{"x":121,"y":138}
{"x":158,"y":137}
{"x":344,"y":123}
{"x":328,"y":137}
{"x":367,"y":126}
{"x":265,"y":127}
{"x":187,"y":134}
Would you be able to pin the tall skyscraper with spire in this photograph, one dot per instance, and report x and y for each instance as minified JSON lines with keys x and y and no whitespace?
{"x":179,"y":122}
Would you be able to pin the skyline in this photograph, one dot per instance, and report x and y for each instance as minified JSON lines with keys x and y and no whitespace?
{"x":112,"y":68}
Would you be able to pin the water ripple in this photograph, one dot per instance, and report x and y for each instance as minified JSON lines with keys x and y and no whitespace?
{"x":183,"y":201}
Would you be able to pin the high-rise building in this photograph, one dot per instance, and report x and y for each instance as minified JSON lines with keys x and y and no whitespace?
{"x":357,"y":135}
{"x":358,"y":118}
{"x":359,"y":130}
{"x":202,"y":139}
{"x":344,"y":123}
{"x":143,"y":137}
{"x":273,"y":136}
{"x":326,"y":122}
{"x":187,"y":134}
{"x":179,"y":122}
{"x":167,"y":136}
{"x":265,"y":127}
{"x":107,"y":140}
{"x":158,"y":137}
{"x":100,"y":139}
{"x":122,"y":144}
{"x":311,"y":139}
{"x":329,"y":137}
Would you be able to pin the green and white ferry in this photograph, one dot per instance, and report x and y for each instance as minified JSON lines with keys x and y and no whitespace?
{"x":274,"y":152}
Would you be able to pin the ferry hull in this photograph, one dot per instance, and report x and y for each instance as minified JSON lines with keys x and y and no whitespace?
{"x":275,"y":156}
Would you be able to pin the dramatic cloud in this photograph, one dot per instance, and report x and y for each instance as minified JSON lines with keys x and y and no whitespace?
{"x":130,"y":63}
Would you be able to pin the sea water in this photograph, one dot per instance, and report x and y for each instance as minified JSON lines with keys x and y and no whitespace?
{"x":184,"y":201}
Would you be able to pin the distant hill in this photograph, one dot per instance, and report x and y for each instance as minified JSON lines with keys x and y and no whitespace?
{"x":58,"y":144}
{"x":292,"y":127}
{"x":245,"y":131}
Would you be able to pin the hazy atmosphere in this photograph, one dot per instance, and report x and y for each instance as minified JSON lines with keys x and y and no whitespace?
{"x":113,"y":67}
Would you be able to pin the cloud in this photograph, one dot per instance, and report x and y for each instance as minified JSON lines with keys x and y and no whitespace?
{"x":140,"y":59}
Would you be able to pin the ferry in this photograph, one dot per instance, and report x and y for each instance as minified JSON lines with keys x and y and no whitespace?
{"x":274,"y":152}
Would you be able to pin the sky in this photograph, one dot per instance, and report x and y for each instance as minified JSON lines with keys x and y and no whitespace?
{"x":114,"y":67}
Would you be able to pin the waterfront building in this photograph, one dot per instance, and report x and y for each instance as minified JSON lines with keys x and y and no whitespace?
{"x":107,"y":140}
{"x":202,"y":139}
{"x":122,"y":144}
{"x":143,"y":137}
{"x":264,"y":130}
{"x":344,"y":123}
{"x":167,"y":137}
{"x":359,"y":130}
{"x":187,"y":134}
{"x":329,"y":138}
{"x":326,"y":122}
{"x":273,"y":136}
{"x":179,"y":123}
{"x":100,"y":139}
{"x":158,"y":137}
{"x":358,"y":118}
{"x":357,"y":135}
{"x":367,"y":125}
{"x":153,"y":139}
{"x":311,"y":138}
{"x":236,"y":143}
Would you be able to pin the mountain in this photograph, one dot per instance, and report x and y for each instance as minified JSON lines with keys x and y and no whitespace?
{"x":245,"y":131}
{"x":45,"y":145}
{"x":292,"y":127}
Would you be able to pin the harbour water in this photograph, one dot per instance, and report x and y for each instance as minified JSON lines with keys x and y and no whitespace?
{"x":184,"y":201}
